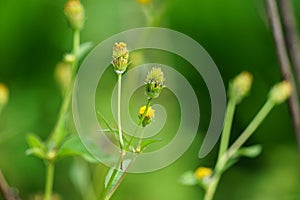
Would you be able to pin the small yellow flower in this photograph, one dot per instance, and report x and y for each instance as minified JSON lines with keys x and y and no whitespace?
{"x":150,"y":111}
{"x":144,"y":2}
{"x":203,"y":172}
{"x":148,"y":116}
{"x":3,"y":94}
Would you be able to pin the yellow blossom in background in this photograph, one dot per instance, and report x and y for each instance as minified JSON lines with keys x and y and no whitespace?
{"x":3,"y":94}
{"x":203,"y":172}
{"x":144,"y":2}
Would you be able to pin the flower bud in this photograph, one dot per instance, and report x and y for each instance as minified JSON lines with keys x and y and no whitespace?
{"x":280,"y":92}
{"x":203,"y":172}
{"x":63,"y":75}
{"x":148,"y":116}
{"x":240,"y":86}
{"x":154,"y":82}
{"x":4,"y":95}
{"x":120,"y":57}
{"x":74,"y":12}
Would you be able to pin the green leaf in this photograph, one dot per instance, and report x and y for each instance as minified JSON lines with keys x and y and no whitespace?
{"x":37,"y":147}
{"x":146,"y":142}
{"x":251,"y":152}
{"x":188,"y":178}
{"x":119,"y":174}
{"x":84,"y":48}
{"x":74,"y":147}
{"x":34,"y":141}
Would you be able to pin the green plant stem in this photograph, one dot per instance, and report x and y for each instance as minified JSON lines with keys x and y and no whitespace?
{"x":261,"y":115}
{"x":49,"y":180}
{"x":227,"y":155}
{"x":227,"y":127}
{"x":109,"y":192}
{"x":119,"y":111}
{"x":59,"y":131}
{"x":140,"y":122}
{"x":210,"y":192}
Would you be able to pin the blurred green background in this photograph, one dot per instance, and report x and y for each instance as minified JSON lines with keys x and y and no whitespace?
{"x":33,"y":37}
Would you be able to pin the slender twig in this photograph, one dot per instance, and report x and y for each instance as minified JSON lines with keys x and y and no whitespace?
{"x":5,"y":190}
{"x":285,"y":65}
{"x":291,"y":34}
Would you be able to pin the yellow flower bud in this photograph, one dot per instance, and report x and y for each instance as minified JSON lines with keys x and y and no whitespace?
{"x":74,"y":12}
{"x":120,"y":57}
{"x":148,"y":116}
{"x":4,"y":95}
{"x":240,"y":86}
{"x":203,"y":172}
{"x":280,"y":92}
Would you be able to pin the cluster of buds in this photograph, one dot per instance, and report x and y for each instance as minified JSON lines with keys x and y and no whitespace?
{"x":240,"y":86}
{"x":148,"y":116}
{"x":74,"y":12}
{"x":120,"y":57}
{"x":280,"y":92}
{"x":154,"y":82}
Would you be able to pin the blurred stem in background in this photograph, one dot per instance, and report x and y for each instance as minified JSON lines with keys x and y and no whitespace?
{"x":284,"y":50}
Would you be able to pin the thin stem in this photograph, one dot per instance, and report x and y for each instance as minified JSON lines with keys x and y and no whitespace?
{"x":140,"y":122}
{"x":49,"y":180}
{"x":261,"y":115}
{"x":285,"y":66}
{"x":106,"y":191}
{"x":211,"y":190}
{"x":119,"y":111}
{"x":227,"y":127}
{"x":55,"y":136}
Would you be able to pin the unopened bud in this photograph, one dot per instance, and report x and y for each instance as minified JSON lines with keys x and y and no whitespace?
{"x":74,"y":12}
{"x":154,"y":82}
{"x":120,"y":57}
{"x":240,"y":86}
{"x":63,"y":75}
{"x":280,"y":92}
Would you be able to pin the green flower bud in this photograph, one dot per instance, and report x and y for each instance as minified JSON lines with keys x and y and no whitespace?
{"x":63,"y":74}
{"x":120,"y":57}
{"x":74,"y":12}
{"x":154,"y":82}
{"x":280,"y":92}
{"x":240,"y":86}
